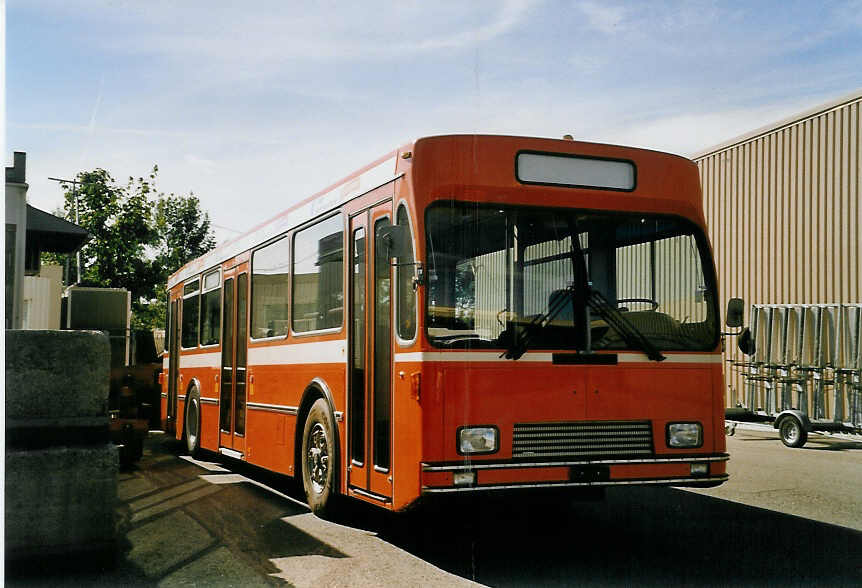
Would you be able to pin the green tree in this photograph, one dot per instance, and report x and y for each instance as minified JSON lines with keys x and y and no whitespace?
{"x":138,"y":237}
{"x":183,"y":231}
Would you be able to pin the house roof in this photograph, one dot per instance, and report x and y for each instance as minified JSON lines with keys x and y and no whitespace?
{"x":51,"y":233}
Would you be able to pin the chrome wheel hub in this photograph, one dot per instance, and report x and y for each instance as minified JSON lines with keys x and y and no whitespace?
{"x":791,"y":432}
{"x":317,"y":458}
{"x":192,"y":424}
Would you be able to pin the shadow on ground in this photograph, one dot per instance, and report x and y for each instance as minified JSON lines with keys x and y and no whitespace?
{"x":636,"y":536}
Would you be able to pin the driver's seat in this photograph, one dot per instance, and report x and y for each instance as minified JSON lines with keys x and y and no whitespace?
{"x":566,"y":314}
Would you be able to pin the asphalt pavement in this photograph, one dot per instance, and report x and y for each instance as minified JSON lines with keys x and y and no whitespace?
{"x":787,"y":516}
{"x":821,"y":481}
{"x":192,"y":522}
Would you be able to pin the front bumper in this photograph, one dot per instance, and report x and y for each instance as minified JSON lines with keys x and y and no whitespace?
{"x":656,"y":471}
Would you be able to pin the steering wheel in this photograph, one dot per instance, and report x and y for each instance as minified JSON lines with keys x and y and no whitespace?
{"x":650,"y":301}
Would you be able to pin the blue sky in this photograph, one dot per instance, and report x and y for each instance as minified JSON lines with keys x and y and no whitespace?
{"x":254,"y":108}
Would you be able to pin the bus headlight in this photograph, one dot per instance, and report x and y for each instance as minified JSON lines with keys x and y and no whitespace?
{"x":473,"y":440}
{"x":684,"y":435}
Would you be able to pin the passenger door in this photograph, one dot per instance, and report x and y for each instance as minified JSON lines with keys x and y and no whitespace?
{"x":232,"y":393}
{"x":370,"y":368}
{"x":173,"y":367}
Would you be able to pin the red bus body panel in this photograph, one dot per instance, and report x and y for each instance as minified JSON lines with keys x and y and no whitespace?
{"x":435,"y":392}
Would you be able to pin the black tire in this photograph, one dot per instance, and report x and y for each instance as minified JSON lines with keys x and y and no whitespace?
{"x":319,"y":459}
{"x":192,"y":425}
{"x":127,"y":457}
{"x":137,"y":449}
{"x":792,"y":433}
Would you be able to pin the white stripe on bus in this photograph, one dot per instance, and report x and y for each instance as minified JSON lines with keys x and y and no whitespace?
{"x":199,"y":360}
{"x":299,"y":353}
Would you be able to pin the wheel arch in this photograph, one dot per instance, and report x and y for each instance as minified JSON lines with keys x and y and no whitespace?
{"x":315,"y":390}
{"x":793,"y":413}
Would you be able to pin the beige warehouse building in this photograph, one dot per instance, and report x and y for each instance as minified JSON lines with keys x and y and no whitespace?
{"x":783,"y":208}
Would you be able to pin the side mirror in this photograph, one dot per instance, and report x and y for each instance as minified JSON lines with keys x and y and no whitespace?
{"x":745,"y":342}
{"x":396,"y":238}
{"x":735,"y":312}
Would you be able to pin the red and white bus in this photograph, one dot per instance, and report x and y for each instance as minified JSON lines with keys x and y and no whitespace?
{"x":467,"y":313}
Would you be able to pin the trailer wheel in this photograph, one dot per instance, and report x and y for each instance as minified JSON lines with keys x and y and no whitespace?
{"x":792,"y":433}
{"x":319,"y":459}
{"x":192,"y":425}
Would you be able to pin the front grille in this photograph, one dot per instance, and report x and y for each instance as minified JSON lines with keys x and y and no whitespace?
{"x":610,"y":439}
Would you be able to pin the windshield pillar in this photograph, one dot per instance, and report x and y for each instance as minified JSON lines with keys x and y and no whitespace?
{"x":516,"y":298}
{"x":603,"y":261}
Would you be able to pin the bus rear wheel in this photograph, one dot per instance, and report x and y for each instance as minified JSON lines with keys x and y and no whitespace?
{"x":318,"y":459}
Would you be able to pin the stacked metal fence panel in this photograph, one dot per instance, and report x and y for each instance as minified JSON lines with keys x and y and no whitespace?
{"x":784,"y":209}
{"x":806,"y":357}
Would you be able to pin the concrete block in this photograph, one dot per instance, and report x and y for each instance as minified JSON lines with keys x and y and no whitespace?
{"x":56,"y":374}
{"x":60,"y":500}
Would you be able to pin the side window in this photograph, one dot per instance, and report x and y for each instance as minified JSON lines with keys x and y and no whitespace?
{"x":318,"y":260}
{"x":270,"y":273}
{"x":211,"y":309}
{"x":167,"y":320}
{"x":405,"y":274}
{"x":191,"y":307}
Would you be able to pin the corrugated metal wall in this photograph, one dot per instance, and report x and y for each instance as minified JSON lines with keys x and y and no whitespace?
{"x":784,"y":214}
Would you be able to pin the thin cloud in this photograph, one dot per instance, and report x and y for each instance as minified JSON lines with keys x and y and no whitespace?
{"x":603,"y":17}
{"x":279,"y":100}
{"x":511,"y":15}
{"x":213,"y":34}
{"x":202,"y":164}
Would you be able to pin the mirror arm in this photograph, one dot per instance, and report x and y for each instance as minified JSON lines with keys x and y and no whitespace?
{"x":419,"y":278}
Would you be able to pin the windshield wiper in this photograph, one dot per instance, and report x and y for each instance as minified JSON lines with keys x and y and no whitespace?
{"x":579,"y":270}
{"x":630,"y":334}
{"x":451,"y":339}
{"x":521,"y":343}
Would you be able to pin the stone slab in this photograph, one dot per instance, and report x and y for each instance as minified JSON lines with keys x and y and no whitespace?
{"x":59,"y":499}
{"x":56,"y":374}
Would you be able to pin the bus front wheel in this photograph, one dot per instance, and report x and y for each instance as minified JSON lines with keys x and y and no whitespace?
{"x":318,"y":459}
{"x":192,"y":425}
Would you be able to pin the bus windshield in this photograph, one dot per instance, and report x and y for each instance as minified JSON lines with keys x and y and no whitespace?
{"x":493,"y":270}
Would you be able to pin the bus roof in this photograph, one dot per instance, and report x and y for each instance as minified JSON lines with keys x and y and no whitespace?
{"x":377,"y":173}
{"x":463,"y":158}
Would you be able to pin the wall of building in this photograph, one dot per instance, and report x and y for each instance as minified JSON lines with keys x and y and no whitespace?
{"x":15,"y":239}
{"x":784,"y":210}
{"x":41,"y":299}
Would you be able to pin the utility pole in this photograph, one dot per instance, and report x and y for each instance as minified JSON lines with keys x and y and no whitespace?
{"x":75,"y":194}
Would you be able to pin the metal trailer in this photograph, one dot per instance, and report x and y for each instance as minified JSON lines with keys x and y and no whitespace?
{"x":803,"y":371}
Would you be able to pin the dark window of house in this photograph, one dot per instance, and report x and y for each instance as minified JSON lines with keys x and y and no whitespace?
{"x":10,"y":272}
